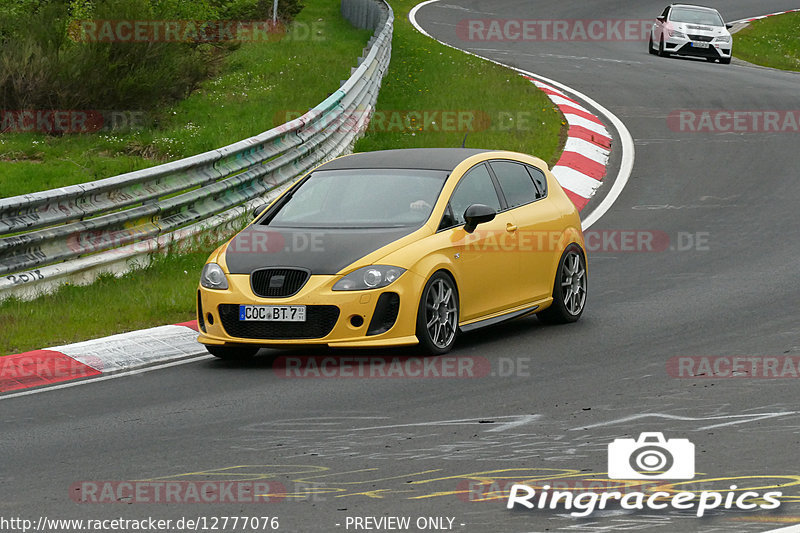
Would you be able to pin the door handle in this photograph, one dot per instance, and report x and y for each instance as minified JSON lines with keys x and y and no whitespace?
{"x":511,"y":227}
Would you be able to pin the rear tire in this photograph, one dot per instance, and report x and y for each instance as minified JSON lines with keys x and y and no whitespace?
{"x":233,"y":353}
{"x":437,"y":316}
{"x":569,"y":288}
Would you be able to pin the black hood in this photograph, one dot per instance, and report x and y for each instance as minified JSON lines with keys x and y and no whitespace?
{"x":321,"y":251}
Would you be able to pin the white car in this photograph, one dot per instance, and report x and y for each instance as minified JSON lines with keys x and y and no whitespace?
{"x":684,"y":29}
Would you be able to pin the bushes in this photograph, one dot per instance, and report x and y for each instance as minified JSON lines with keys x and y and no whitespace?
{"x":42,"y":66}
{"x":259,"y":9}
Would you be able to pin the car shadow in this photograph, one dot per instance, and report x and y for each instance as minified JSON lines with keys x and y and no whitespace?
{"x":277,"y":359}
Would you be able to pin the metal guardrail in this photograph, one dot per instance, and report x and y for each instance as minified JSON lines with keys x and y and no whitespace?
{"x":76,"y":232}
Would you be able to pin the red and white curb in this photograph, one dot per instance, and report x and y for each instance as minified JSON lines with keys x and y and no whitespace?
{"x":582,"y":166}
{"x":742,"y":21}
{"x":108,"y":355}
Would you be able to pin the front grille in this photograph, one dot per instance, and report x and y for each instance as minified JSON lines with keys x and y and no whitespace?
{"x":278,"y":282}
{"x":320,"y":320}
{"x":689,"y":50}
{"x":704,"y":38}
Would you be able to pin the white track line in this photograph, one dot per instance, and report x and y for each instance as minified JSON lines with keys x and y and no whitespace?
{"x":788,"y":529}
{"x":628,"y":152}
{"x":90,"y":380}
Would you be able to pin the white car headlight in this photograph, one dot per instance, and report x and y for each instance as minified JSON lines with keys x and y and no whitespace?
{"x":213,"y":277}
{"x":724,"y":38}
{"x":369,"y":277}
{"x":677,"y":34}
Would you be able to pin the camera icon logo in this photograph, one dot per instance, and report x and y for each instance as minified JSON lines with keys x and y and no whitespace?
{"x":651,"y":457}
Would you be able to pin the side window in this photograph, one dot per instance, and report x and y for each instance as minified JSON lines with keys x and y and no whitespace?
{"x":515,"y":182}
{"x":539,"y":179}
{"x":476,"y":187}
{"x":665,"y":14}
{"x":448,"y":220}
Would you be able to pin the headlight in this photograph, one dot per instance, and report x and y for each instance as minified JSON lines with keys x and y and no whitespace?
{"x":213,"y":277}
{"x":369,"y":277}
{"x":724,"y":38}
{"x":677,"y":34}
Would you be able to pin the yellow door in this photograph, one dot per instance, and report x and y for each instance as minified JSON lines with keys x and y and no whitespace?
{"x":538,"y":236}
{"x":485,"y":261}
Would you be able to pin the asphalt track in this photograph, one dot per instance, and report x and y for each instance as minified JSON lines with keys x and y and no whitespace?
{"x":402,"y":447}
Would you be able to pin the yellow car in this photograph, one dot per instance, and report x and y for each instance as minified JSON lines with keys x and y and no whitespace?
{"x":397,"y":247}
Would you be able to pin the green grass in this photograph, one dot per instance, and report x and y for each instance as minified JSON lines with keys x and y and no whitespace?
{"x":258,"y":83}
{"x":427,"y":76}
{"x":771,"y":42}
{"x":423,"y":76}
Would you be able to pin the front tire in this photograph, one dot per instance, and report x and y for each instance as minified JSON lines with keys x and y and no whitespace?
{"x":725,"y":60}
{"x":437,"y":317}
{"x":661,"y":51}
{"x":233,"y":353}
{"x":650,"y":48}
{"x":569,"y":288}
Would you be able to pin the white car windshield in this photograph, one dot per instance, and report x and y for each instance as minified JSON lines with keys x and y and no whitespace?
{"x":362,"y":198}
{"x":695,"y":16}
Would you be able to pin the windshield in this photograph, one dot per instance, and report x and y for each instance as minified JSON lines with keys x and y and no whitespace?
{"x":695,"y":16}
{"x":361,"y":198}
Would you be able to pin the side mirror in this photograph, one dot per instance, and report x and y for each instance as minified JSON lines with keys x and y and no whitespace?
{"x":258,"y":211}
{"x":661,"y":18}
{"x":728,"y":26}
{"x":477,"y":214}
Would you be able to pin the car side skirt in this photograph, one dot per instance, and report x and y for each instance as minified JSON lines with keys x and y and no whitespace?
{"x":502,"y":317}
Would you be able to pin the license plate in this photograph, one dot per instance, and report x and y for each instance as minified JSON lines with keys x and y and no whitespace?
{"x":700,"y":45}
{"x":272,"y":313}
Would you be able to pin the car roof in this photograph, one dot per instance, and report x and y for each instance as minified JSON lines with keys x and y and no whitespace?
{"x":409,"y":158}
{"x":699,"y":8}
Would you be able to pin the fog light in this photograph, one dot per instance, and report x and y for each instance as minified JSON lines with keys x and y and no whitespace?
{"x":210,"y":319}
{"x":356,"y":321}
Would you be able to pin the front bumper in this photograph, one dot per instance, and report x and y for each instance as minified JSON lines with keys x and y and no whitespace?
{"x":334,"y":318}
{"x":688,"y":47}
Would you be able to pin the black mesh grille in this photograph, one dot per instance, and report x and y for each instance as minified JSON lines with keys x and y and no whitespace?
{"x":689,"y":50}
{"x":703,"y":38}
{"x":200,"y":321}
{"x":320,"y":320}
{"x":385,"y":313}
{"x":278,"y":282}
